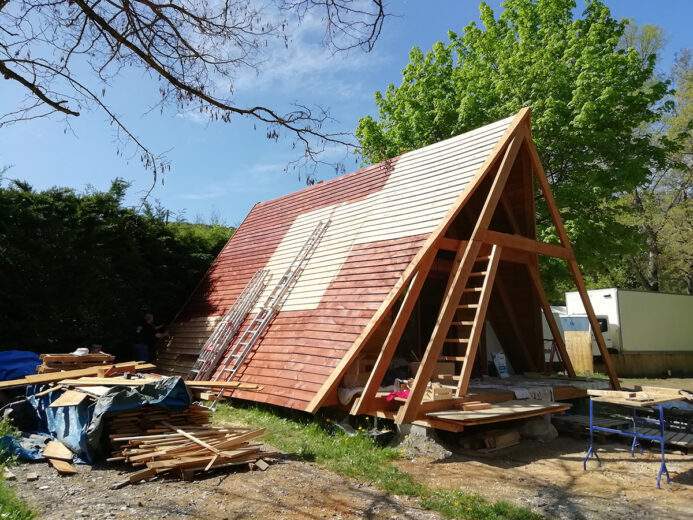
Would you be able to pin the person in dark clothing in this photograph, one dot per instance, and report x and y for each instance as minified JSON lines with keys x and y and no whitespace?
{"x":147,"y":335}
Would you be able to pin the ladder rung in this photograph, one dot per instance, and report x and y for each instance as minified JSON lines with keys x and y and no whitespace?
{"x":463,"y":323}
{"x":459,"y":359}
{"x":468,"y":306}
{"x":477,"y":274}
{"x":472,"y":289}
{"x":483,"y":258}
{"x":456,"y":340}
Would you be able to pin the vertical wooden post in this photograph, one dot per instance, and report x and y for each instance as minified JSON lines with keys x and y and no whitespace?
{"x":464,"y":262}
{"x":572,"y":263}
{"x":389,"y":347}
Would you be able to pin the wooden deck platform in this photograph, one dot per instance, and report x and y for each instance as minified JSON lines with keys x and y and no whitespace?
{"x":501,"y":412}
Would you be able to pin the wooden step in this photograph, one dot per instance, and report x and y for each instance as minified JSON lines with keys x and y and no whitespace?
{"x":477,"y":274}
{"x":462,"y":323}
{"x":468,"y":306}
{"x":483,"y":258}
{"x":472,"y":289}
{"x":456,"y":340}
{"x":458,"y":359}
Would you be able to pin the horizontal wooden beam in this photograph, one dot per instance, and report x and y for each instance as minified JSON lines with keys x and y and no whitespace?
{"x":450,"y":244}
{"x":525,"y":244}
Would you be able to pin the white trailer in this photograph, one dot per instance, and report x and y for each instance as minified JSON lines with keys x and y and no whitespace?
{"x":641,"y":321}
{"x":658,"y":327}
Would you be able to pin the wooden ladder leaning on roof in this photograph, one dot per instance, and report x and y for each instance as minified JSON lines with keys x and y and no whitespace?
{"x":467,"y":326}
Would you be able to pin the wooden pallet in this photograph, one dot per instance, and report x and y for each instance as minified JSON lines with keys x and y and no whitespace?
{"x":672,"y":438}
{"x":582,"y":422}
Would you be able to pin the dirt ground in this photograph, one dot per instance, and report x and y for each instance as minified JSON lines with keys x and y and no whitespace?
{"x":287,"y":490}
{"x":549,"y":479}
{"x":670,"y":382}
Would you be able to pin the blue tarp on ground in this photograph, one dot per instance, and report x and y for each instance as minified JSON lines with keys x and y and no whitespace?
{"x":15,"y":364}
{"x":80,"y":427}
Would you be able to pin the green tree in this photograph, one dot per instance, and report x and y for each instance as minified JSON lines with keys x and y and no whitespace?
{"x":662,"y":208}
{"x":80,"y":268}
{"x":594,"y":104}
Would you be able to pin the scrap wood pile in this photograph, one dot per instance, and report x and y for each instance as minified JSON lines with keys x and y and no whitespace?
{"x":57,"y":362}
{"x":155,"y":440}
{"x":179,"y":444}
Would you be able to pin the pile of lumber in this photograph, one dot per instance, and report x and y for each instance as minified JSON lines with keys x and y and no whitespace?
{"x":155,"y":440}
{"x":149,"y":419}
{"x":180,"y":444}
{"x":57,"y":362}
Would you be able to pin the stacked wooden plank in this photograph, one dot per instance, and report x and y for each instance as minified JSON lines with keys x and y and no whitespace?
{"x":58,"y":362}
{"x":163,"y":442}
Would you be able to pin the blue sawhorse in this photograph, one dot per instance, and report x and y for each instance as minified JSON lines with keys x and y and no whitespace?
{"x":592,"y":450}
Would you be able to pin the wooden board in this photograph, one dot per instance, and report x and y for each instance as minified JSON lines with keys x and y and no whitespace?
{"x":578,"y":344}
{"x":72,"y":358}
{"x":509,"y":410}
{"x":69,"y":398}
{"x":66,"y":374}
{"x":57,"y":450}
{"x":63,"y":467}
{"x":633,"y":402}
{"x":109,"y":381}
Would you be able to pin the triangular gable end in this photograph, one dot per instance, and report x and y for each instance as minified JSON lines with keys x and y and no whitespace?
{"x":482,"y":242}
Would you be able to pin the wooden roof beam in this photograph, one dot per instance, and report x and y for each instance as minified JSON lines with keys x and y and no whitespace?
{"x":522,"y":243}
{"x":540,"y":175}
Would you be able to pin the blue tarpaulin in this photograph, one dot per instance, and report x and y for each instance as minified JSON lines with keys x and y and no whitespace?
{"x":80,"y":427}
{"x":15,"y":364}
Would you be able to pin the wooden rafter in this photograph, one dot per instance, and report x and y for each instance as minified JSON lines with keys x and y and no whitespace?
{"x":573,"y":266}
{"x":458,"y":279}
{"x":533,"y":271}
{"x":521,"y":121}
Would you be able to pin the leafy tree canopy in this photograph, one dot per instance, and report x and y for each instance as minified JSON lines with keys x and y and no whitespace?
{"x":81,"y":268}
{"x":594,"y":104}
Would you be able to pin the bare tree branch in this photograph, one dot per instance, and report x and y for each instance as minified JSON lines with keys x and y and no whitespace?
{"x":190,"y":46}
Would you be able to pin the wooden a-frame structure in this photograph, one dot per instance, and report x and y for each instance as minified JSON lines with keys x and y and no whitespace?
{"x":484,"y":230}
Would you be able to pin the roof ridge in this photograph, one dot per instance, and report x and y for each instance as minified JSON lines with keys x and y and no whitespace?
{"x":381,"y":164}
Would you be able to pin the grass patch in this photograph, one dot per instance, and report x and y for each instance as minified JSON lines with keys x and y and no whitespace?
{"x":360,"y":458}
{"x":11,"y":506}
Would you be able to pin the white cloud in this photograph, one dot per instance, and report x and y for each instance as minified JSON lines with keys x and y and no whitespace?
{"x":305,"y":62}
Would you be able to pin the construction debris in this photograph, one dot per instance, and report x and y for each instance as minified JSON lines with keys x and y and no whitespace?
{"x":143,"y":420}
{"x":185,"y":450}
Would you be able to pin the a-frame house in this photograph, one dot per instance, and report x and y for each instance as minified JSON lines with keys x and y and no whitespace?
{"x":414,"y":259}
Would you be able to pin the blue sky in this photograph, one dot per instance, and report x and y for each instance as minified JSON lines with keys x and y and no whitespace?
{"x":221,"y":169}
